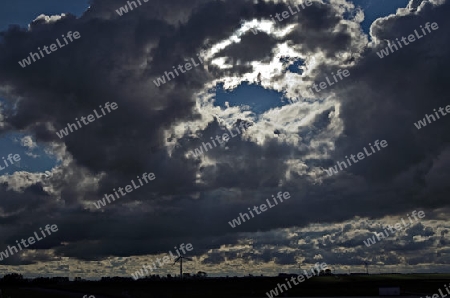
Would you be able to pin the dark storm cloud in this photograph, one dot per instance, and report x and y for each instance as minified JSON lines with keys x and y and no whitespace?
{"x":32,"y":198}
{"x":284,"y":258}
{"x":116,"y":60}
{"x":386,"y":102}
{"x":320,"y":21}
{"x":214,"y":258}
{"x":252,"y":48}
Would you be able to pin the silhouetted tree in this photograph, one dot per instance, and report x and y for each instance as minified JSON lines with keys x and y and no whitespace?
{"x":12,"y":279}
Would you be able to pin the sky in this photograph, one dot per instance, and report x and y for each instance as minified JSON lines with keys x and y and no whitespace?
{"x":257,"y":86}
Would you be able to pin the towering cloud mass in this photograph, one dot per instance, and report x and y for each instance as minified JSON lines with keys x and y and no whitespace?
{"x":287,"y":147}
